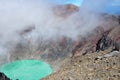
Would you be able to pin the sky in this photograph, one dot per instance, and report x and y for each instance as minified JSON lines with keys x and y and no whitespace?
{"x":103,"y":6}
{"x":113,"y":7}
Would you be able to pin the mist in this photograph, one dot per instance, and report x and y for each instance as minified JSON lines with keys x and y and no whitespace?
{"x":15,"y":16}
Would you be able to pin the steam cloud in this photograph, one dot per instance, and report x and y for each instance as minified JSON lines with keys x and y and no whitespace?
{"x":16,"y":15}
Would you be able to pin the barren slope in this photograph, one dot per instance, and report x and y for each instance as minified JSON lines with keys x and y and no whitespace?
{"x":88,"y":67}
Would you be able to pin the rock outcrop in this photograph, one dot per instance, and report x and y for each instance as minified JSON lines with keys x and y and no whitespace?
{"x":65,"y":10}
{"x":99,"y":42}
{"x":3,"y":76}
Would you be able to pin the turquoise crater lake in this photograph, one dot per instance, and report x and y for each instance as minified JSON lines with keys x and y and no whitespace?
{"x":26,"y":70}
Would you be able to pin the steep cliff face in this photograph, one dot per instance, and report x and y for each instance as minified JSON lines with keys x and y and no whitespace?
{"x":99,"y":42}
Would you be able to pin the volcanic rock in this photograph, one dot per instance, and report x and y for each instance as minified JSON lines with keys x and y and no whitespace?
{"x":65,"y":10}
{"x":106,"y":38}
{"x":86,"y":63}
{"x":3,"y":76}
{"x":89,"y":67}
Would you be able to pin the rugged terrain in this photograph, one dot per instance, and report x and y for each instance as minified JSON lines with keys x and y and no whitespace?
{"x":95,"y":56}
{"x":95,"y":59}
{"x":89,"y":67}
